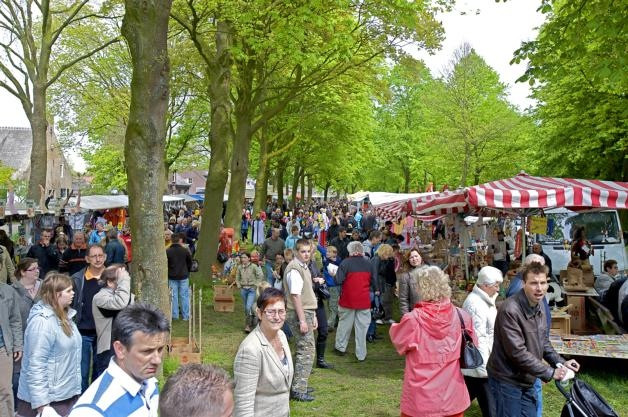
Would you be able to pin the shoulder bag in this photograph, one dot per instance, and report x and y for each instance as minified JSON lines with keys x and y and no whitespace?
{"x":470,"y":356}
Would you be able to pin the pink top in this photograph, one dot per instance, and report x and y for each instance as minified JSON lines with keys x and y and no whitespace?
{"x":430,"y":337}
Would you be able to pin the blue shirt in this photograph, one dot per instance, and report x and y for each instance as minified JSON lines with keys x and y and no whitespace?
{"x":115,"y":393}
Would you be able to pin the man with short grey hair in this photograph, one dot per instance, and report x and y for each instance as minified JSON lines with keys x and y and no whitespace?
{"x":128,"y":387}
{"x":197,"y":390}
{"x":359,"y":281}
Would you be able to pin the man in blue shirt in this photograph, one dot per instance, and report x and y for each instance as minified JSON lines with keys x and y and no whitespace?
{"x":128,"y":387}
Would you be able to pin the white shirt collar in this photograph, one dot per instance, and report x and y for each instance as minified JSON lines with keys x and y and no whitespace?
{"x":126,"y":381}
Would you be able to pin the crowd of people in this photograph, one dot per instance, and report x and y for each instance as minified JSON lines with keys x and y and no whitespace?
{"x":76,"y":342}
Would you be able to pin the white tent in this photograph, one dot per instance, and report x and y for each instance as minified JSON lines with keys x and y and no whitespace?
{"x":103,"y":202}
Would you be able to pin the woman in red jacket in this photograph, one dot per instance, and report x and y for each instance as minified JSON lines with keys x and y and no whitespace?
{"x":431,"y":336}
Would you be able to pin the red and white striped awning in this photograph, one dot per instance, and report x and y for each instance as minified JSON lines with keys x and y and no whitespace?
{"x":525,"y":191}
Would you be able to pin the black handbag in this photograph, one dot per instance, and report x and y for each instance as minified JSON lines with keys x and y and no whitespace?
{"x":322,"y":291}
{"x":470,"y":356}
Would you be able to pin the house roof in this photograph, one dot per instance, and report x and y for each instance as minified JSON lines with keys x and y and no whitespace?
{"x":15,"y":148}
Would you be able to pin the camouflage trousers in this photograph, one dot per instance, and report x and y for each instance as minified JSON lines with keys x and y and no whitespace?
{"x":334,"y":293}
{"x":305,"y":349}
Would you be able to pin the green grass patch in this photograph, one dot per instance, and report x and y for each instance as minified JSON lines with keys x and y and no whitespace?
{"x":371,"y":388}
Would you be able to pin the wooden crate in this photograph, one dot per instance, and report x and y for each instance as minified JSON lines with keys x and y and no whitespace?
{"x":577,"y":312}
{"x":224,"y":306}
{"x":223,"y":292}
{"x":561,"y":324}
{"x":187,"y":357}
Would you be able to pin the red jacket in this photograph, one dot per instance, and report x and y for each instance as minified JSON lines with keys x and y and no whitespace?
{"x":431,"y":337}
{"x":358,"y":280}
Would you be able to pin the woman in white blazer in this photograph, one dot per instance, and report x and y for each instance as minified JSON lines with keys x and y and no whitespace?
{"x":263,"y":365}
{"x":480,"y":304}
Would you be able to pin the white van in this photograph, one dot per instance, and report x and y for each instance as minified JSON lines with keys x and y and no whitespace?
{"x":602,"y":229}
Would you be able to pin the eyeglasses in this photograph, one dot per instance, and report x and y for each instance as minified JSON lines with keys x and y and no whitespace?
{"x":32,"y":269}
{"x":273,"y":313}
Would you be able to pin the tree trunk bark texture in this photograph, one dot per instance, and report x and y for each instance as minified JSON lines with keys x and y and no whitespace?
{"x":280,"y":173}
{"x":39,"y":151}
{"x":145,"y":27}
{"x":261,"y":182}
{"x":219,"y":138}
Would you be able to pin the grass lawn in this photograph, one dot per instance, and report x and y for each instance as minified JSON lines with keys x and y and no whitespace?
{"x":372,"y":388}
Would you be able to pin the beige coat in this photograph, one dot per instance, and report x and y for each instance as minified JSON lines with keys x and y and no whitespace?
{"x":7,"y":269}
{"x":111,"y":301}
{"x":262,"y":382}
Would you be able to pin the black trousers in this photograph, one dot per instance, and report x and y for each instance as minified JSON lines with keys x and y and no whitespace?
{"x":321,"y":317}
{"x":479,"y":388}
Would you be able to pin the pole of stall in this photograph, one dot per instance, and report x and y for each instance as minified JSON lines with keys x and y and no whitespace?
{"x":200,"y":321}
{"x":523,"y":238}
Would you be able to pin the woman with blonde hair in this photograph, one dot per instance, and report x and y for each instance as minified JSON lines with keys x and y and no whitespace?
{"x":431,"y":338}
{"x":384,"y":264}
{"x":51,"y":371}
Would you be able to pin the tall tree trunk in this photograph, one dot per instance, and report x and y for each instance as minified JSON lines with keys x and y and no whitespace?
{"x":406,"y":178}
{"x":145,"y":27}
{"x":261,"y":182}
{"x":279,"y":187}
{"x":310,"y":187}
{"x":302,"y":179}
{"x":295,"y":185}
{"x":219,"y":138}
{"x":327,"y":186}
{"x":239,"y":169}
{"x":39,"y":151}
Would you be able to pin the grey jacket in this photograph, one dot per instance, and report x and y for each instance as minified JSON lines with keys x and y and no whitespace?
{"x":10,"y":321}
{"x":408,"y":291}
{"x":51,"y":367}
{"x":603,"y":282}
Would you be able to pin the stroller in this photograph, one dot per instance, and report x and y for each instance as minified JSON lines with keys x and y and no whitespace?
{"x":583,"y":401}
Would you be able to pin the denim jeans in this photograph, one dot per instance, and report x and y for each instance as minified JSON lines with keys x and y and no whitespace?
{"x":180,"y":291}
{"x":538,"y":389}
{"x":248,"y":299}
{"x":269,"y":273}
{"x":88,"y":358}
{"x":512,"y":400}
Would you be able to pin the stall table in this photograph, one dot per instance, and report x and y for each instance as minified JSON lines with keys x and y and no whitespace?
{"x":597,"y":345}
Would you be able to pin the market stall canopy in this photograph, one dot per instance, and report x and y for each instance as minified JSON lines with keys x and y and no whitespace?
{"x":359,"y":196}
{"x":103,"y":202}
{"x":389,"y":205}
{"x":525,"y":192}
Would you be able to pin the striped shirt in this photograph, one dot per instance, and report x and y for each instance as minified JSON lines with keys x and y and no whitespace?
{"x":115,"y":393}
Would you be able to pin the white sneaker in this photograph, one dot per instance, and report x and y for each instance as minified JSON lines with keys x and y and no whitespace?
{"x":391,"y":321}
{"x":379,"y":321}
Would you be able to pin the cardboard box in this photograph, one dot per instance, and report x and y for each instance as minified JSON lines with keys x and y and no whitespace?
{"x":224,"y":306}
{"x":188,"y":357}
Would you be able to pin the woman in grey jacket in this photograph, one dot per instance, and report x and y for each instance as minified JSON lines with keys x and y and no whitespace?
{"x":408,"y":291}
{"x":51,"y":368}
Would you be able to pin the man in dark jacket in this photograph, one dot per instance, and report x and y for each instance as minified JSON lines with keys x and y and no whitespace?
{"x":179,"y":264}
{"x":114,"y":249}
{"x":520,"y":345}
{"x":73,"y":259}
{"x":340,"y":242}
{"x":45,"y":253}
{"x":85,"y":283}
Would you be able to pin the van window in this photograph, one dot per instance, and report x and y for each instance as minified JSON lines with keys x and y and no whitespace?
{"x":600,"y":227}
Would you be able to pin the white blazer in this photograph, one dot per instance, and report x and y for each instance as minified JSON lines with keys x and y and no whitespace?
{"x":262,"y":381}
